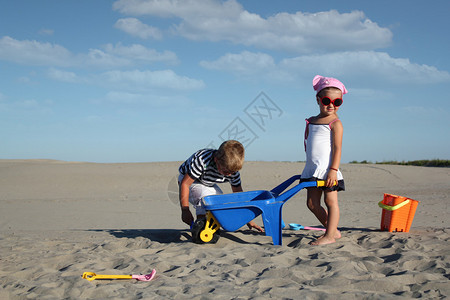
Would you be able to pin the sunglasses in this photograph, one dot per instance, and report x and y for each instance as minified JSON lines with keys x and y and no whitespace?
{"x":336,"y":102}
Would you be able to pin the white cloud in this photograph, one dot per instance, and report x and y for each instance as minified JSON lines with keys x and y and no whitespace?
{"x":243,"y":63}
{"x":250,"y":66}
{"x":28,"y":104}
{"x":368,"y":68}
{"x":34,"y":53}
{"x":52,"y":55}
{"x":135,"y":27}
{"x":24,"y":79}
{"x":112,"y":56}
{"x":131,"y":98}
{"x":365,"y":68}
{"x":140,"y":53}
{"x":103,"y":59}
{"x":147,"y":80}
{"x":125,"y":97}
{"x":45,"y":31}
{"x":32,"y":105}
{"x":172,"y":8}
{"x":64,"y":76}
{"x":131,"y":81}
{"x":297,"y":33}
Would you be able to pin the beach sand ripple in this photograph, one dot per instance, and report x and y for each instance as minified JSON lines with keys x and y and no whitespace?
{"x":361,"y":265}
{"x":108,"y":223}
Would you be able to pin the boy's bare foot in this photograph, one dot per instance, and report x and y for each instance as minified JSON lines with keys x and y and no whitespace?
{"x":323,"y":240}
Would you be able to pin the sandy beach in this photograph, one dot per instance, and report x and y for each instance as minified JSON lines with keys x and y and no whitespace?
{"x":60,"y":219}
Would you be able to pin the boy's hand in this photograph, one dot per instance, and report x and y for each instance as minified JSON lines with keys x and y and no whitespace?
{"x":186,"y":216}
{"x":251,"y":225}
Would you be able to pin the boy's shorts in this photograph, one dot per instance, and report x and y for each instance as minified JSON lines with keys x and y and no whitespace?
{"x":196,"y":193}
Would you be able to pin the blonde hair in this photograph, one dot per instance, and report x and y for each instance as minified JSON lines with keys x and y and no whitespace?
{"x":230,"y":155}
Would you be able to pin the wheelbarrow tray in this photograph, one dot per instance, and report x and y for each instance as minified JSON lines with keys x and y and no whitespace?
{"x":235,"y":210}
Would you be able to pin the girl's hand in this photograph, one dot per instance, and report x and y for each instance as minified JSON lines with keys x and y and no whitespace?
{"x":331,"y":178}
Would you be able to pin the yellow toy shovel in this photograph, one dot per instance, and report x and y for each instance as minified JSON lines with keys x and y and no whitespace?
{"x":92,"y":276}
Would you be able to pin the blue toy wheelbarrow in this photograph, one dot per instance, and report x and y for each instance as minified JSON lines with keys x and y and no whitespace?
{"x":232,"y":211}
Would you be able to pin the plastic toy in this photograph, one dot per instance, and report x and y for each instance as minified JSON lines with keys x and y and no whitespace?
{"x":294,"y":226}
{"x":92,"y":276}
{"x":398,"y":213}
{"x":232,"y":211}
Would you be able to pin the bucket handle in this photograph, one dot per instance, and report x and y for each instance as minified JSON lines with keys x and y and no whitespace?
{"x":391,"y":208}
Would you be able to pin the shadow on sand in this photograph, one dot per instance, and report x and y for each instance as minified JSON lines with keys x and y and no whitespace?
{"x":156,"y":235}
{"x":166,"y":236}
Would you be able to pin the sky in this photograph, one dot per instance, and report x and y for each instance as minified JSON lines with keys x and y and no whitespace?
{"x":147,"y":81}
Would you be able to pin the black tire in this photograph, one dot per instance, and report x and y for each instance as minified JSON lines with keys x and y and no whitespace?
{"x":199,"y":225}
{"x":215,"y":238}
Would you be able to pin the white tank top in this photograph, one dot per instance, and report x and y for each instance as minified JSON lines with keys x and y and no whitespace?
{"x":318,"y":151}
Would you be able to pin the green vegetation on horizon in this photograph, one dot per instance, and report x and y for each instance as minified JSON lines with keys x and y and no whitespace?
{"x":420,"y":163}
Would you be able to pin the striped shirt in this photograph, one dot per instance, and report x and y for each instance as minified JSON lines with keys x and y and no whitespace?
{"x":201,"y":166}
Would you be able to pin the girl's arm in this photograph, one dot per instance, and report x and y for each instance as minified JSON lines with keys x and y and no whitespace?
{"x":337,"y":131}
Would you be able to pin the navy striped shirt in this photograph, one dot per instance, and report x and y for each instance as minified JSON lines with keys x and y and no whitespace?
{"x":201,"y":166}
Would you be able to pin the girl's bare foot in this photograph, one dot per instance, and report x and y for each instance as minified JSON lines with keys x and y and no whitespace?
{"x":336,"y":236}
{"x":323,"y":240}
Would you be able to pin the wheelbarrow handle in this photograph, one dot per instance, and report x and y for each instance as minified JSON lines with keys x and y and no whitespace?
{"x":281,"y":187}
{"x":321,"y":183}
{"x":294,"y":190}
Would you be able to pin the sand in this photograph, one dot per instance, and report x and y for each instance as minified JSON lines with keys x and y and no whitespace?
{"x":60,"y":219}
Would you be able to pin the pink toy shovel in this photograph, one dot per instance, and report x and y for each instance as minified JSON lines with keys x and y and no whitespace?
{"x":92,"y":276}
{"x":294,"y":226}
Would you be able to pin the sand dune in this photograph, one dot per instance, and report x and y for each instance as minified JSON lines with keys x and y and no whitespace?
{"x":60,"y":219}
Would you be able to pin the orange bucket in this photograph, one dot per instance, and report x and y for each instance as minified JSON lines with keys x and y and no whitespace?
{"x":397,"y":213}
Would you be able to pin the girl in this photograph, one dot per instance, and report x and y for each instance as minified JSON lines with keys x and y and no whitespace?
{"x":323,"y":145}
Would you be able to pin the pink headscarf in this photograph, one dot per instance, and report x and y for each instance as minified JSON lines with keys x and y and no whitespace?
{"x":321,"y":82}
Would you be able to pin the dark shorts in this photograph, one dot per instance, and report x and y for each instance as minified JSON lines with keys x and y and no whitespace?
{"x":339,"y":187}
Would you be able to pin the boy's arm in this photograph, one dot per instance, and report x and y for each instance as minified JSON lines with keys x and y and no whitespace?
{"x":237,"y":189}
{"x":251,"y":224}
{"x":186,"y":214}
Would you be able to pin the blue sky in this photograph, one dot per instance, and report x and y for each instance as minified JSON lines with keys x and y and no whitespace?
{"x":138,"y":81}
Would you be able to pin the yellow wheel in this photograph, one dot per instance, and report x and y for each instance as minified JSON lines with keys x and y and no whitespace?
{"x":206,"y":235}
{"x":206,"y":230}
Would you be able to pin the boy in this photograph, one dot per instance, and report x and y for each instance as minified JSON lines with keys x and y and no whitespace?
{"x":201,"y":172}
